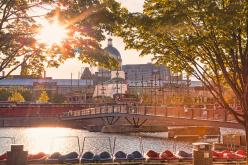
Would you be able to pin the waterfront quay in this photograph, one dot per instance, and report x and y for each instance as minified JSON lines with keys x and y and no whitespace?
{"x":75,"y":144}
{"x":202,"y":154}
{"x":97,"y":147}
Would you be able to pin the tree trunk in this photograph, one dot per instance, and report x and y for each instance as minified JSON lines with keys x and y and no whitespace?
{"x":246,"y":137}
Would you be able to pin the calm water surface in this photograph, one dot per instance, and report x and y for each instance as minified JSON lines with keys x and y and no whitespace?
{"x":51,"y":140}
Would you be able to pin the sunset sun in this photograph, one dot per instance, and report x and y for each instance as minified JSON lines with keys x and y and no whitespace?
{"x":52,"y":33}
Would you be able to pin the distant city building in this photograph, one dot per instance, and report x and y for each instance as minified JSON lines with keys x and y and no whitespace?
{"x":149,"y":74}
{"x":146,"y":71}
{"x":64,"y":87}
{"x":86,"y":75}
{"x":102,"y":72}
{"x":118,"y":74}
{"x":111,"y":87}
{"x":143,"y":80}
{"x":114,"y":52}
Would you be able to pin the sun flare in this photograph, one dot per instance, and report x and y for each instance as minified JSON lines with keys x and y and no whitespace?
{"x":52,"y":33}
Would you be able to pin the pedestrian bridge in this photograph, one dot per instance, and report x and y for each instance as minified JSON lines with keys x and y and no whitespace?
{"x":208,"y":115}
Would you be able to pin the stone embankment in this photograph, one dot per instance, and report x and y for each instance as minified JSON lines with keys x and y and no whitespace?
{"x":36,"y":122}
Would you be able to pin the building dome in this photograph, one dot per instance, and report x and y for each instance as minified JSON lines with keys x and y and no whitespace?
{"x":113,"y":51}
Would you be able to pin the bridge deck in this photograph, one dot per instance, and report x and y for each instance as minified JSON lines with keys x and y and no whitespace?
{"x":170,"y":115}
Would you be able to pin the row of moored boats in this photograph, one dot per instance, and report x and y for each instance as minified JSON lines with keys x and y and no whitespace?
{"x":120,"y":156}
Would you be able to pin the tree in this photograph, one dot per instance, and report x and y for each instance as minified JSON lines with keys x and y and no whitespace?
{"x":57,"y":98}
{"x":86,"y":21}
{"x":17,"y":42}
{"x":205,"y":38}
{"x":43,"y":98}
{"x":27,"y":94}
{"x":4,"y":94}
{"x":16,"y":97}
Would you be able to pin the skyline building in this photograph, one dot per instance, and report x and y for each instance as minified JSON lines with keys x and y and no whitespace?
{"x":106,"y":73}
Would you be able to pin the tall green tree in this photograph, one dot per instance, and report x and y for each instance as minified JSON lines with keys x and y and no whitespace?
{"x":86,"y":22}
{"x":205,"y":38}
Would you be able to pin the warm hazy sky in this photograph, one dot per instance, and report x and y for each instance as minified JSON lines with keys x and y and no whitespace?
{"x":128,"y":56}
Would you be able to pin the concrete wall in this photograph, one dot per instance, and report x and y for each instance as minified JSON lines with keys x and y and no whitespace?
{"x":31,"y":122}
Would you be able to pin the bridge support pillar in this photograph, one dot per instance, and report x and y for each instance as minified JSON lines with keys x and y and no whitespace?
{"x":110,"y":120}
{"x":136,"y":122}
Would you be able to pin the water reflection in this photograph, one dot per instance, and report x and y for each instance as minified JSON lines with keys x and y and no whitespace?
{"x":5,"y":143}
{"x":46,"y":140}
{"x":97,"y":144}
{"x":42,"y":139}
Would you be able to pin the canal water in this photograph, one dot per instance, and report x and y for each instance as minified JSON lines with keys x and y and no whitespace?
{"x":64,"y":140}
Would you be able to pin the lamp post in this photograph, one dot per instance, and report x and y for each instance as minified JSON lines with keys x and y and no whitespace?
{"x":117,"y":82}
{"x":102,"y":89}
{"x":126,"y":78}
{"x":160,"y":88}
{"x":136,"y":82}
{"x":151,"y":88}
{"x":142,"y":85}
{"x":155,"y":90}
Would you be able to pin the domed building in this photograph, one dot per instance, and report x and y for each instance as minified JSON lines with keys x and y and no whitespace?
{"x":102,"y":72}
{"x":111,"y":82}
{"x":113,"y":51}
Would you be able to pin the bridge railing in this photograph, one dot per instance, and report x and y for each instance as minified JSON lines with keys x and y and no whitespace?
{"x":188,"y":112}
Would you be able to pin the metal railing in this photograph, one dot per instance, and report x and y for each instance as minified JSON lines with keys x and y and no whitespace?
{"x":184,"y":112}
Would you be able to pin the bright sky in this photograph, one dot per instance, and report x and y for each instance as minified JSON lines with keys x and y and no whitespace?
{"x":128,"y":56}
